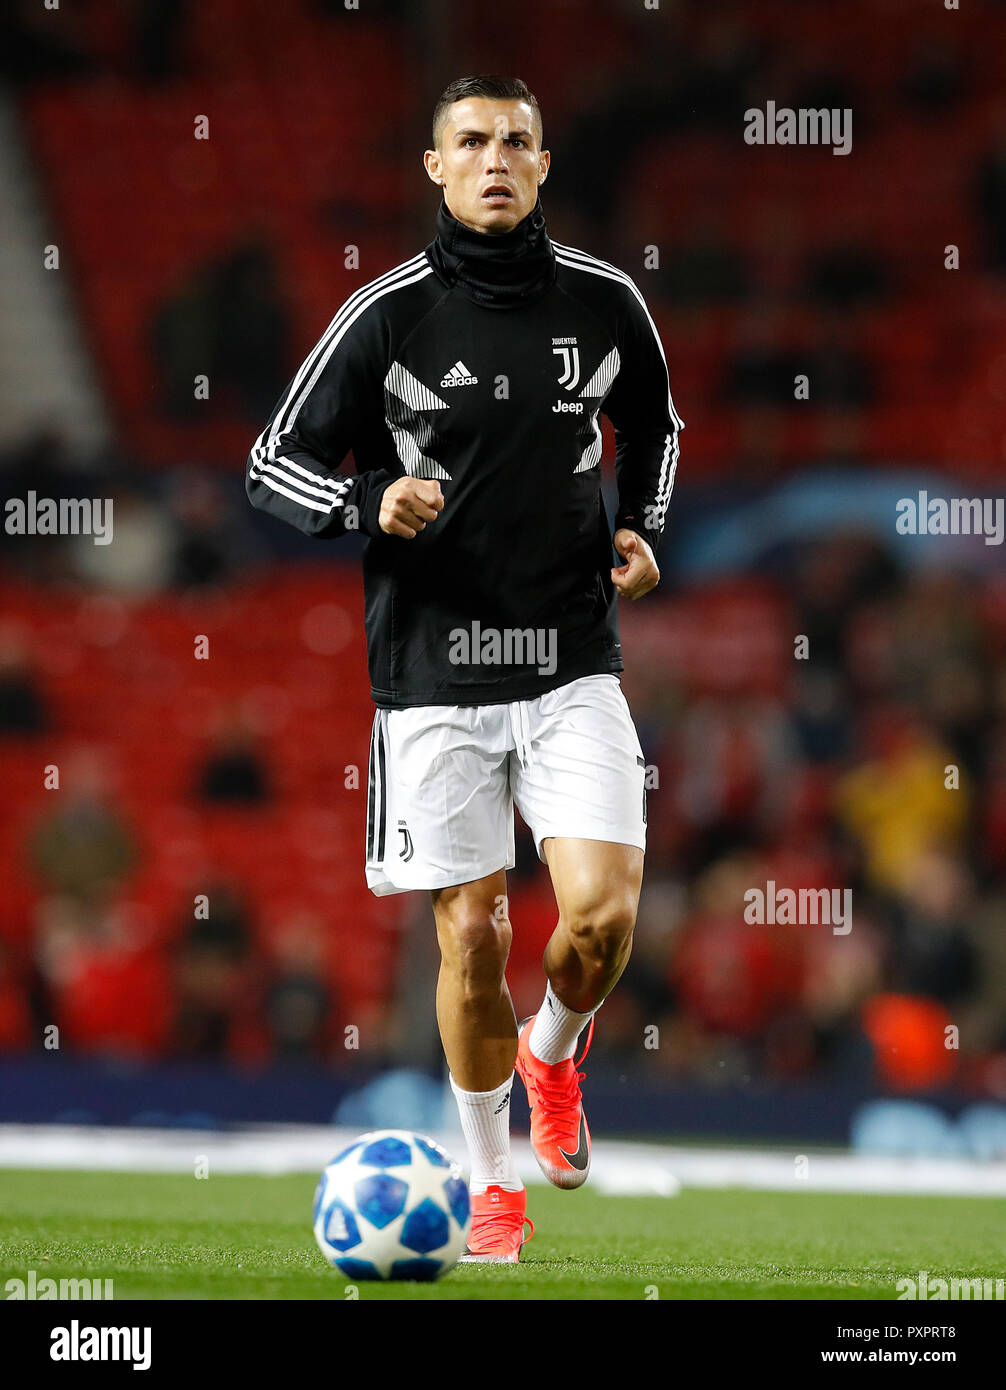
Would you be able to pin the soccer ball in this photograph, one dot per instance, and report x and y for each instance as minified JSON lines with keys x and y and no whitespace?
{"x":393,"y":1205}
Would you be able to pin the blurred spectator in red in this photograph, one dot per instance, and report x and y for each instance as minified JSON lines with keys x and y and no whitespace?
{"x":909,"y":1038}
{"x":729,"y":975}
{"x":102,"y":983}
{"x":735,"y":757}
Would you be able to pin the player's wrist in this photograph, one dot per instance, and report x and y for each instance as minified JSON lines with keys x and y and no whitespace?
{"x":370,"y":512}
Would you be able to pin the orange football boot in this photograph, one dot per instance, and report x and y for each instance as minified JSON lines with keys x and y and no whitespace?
{"x":498,"y":1221}
{"x":559,"y":1134}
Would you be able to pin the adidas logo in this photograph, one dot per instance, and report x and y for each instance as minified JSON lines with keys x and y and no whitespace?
{"x":503,"y":1104}
{"x":459,"y":375}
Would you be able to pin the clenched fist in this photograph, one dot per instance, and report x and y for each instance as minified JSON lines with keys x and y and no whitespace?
{"x":639,"y":574}
{"x":408,"y":504}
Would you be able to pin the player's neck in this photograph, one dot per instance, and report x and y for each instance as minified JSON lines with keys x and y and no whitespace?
{"x":499,"y":270}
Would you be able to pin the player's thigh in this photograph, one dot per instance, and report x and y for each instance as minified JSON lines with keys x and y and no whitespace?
{"x":585,"y":776}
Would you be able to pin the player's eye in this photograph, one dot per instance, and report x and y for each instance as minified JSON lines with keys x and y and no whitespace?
{"x":517,"y":141}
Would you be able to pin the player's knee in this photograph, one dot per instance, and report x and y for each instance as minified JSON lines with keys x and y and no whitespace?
{"x":601,"y":931}
{"x":475,"y":946}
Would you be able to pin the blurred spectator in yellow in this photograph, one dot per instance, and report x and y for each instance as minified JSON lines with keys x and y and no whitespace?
{"x":898,"y":804}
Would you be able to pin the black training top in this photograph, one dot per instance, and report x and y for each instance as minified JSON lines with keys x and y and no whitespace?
{"x":483,"y":363}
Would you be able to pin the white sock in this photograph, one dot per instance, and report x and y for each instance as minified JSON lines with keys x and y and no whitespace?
{"x":556,"y":1029}
{"x":485,"y":1122}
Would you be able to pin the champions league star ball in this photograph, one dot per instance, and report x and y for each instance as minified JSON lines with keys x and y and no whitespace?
{"x":394,"y":1205}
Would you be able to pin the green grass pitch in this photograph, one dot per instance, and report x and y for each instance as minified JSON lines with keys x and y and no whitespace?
{"x":176,"y":1237}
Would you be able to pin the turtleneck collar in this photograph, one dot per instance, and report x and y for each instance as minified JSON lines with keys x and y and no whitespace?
{"x":496,"y":271}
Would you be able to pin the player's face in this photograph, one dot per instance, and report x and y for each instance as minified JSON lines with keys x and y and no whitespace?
{"x":490,"y":163}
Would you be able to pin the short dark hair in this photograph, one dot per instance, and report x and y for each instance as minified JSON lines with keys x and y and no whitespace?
{"x":488,"y":85}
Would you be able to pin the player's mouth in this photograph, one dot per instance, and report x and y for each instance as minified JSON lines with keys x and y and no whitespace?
{"x":497,"y":194}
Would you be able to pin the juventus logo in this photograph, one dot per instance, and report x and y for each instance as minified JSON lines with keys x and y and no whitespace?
{"x":406,"y":852}
{"x":570,"y":366}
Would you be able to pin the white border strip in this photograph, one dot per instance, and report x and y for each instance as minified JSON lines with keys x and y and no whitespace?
{"x":616,"y":1168}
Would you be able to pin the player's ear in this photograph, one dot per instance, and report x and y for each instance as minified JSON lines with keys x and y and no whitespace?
{"x":431,"y":159}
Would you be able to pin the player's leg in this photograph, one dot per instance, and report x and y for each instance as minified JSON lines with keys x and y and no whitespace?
{"x":596,"y":887}
{"x":581,"y":790}
{"x":440,"y":817}
{"x":478,"y":1028}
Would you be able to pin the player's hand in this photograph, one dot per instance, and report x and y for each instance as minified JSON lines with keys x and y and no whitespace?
{"x":639,"y":574}
{"x":408,"y":504}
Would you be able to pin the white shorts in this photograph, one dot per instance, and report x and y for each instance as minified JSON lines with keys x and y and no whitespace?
{"x":444,"y":780}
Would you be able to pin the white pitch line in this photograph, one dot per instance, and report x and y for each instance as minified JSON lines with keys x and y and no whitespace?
{"x":617,"y":1168}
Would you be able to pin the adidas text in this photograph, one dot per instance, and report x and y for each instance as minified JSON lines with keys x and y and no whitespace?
{"x":459,"y":375}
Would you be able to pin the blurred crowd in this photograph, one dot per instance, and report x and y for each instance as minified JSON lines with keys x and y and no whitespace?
{"x":874,"y":760}
{"x":772,"y":263}
{"x":839,"y":723}
{"x":877,"y":764}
